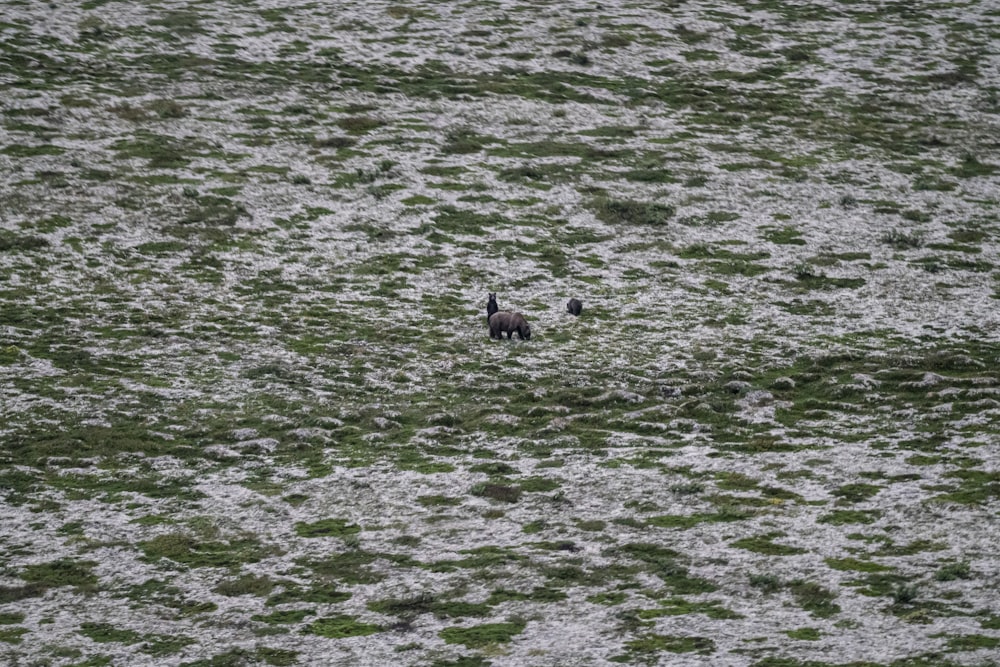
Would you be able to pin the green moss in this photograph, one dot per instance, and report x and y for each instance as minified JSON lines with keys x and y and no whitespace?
{"x":171,"y":597}
{"x":539,"y":484}
{"x":188,"y":550}
{"x":439,"y":501}
{"x":991,"y":622}
{"x":594,"y":525}
{"x":419,"y":200}
{"x":351,"y":567}
{"x":972,"y":643}
{"x":62,"y":572}
{"x":856,"y":565}
{"x":12,"y":241}
{"x":12,"y":635}
{"x":248,"y":584}
{"x":341,"y":626}
{"x":656,"y":643}
{"x":915,"y":547}
{"x":764,"y":544}
{"x":19,"y":150}
{"x":240,"y":657}
{"x":285,"y":616}
{"x":805,"y":634}
{"x":680,"y":607}
{"x":855,"y":493}
{"x":685,"y":522}
{"x":975,"y":487}
{"x":409,"y":608}
{"x":666,"y":564}
{"x":480,"y":636}
{"x":326,"y":528}
{"x":953,"y":571}
{"x":815,"y":599}
{"x":619,"y":211}
{"x":503,"y":492}
{"x":845,"y":517}
{"x":105,"y":632}
{"x":321,"y":593}
{"x":155,"y":645}
{"x":610,"y":599}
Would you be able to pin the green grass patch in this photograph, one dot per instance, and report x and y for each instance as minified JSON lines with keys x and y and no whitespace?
{"x":188,"y":550}
{"x":12,"y":635}
{"x":481,"y":636}
{"x":62,"y":572}
{"x":627,"y":212}
{"x":804,"y":634}
{"x":326,"y":528}
{"x":652,"y":644}
{"x":764,"y":544}
{"x":341,"y":626}
{"x":856,"y":565}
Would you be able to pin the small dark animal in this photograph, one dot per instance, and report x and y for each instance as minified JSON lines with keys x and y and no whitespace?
{"x":491,"y":306}
{"x":575,"y":307}
{"x":511,"y":323}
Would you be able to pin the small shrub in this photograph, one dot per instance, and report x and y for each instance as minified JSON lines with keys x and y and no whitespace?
{"x":905,"y":594}
{"x":806,"y":272}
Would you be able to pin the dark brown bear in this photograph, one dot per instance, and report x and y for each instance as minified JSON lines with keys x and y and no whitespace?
{"x":575,"y":307}
{"x":491,"y":306}
{"x":511,"y":323}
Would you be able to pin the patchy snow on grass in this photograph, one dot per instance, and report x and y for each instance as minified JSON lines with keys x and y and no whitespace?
{"x":251,"y":412}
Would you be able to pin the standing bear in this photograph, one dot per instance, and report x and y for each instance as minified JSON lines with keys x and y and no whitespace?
{"x":574,"y":307}
{"x":491,"y":306}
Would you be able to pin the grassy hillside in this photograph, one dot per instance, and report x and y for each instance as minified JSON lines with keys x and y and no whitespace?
{"x":250,"y":413}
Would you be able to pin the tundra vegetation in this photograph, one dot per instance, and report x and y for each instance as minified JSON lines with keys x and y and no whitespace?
{"x":250,"y":412}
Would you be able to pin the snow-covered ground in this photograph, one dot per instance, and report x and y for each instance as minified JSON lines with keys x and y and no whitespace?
{"x":250,"y":412}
